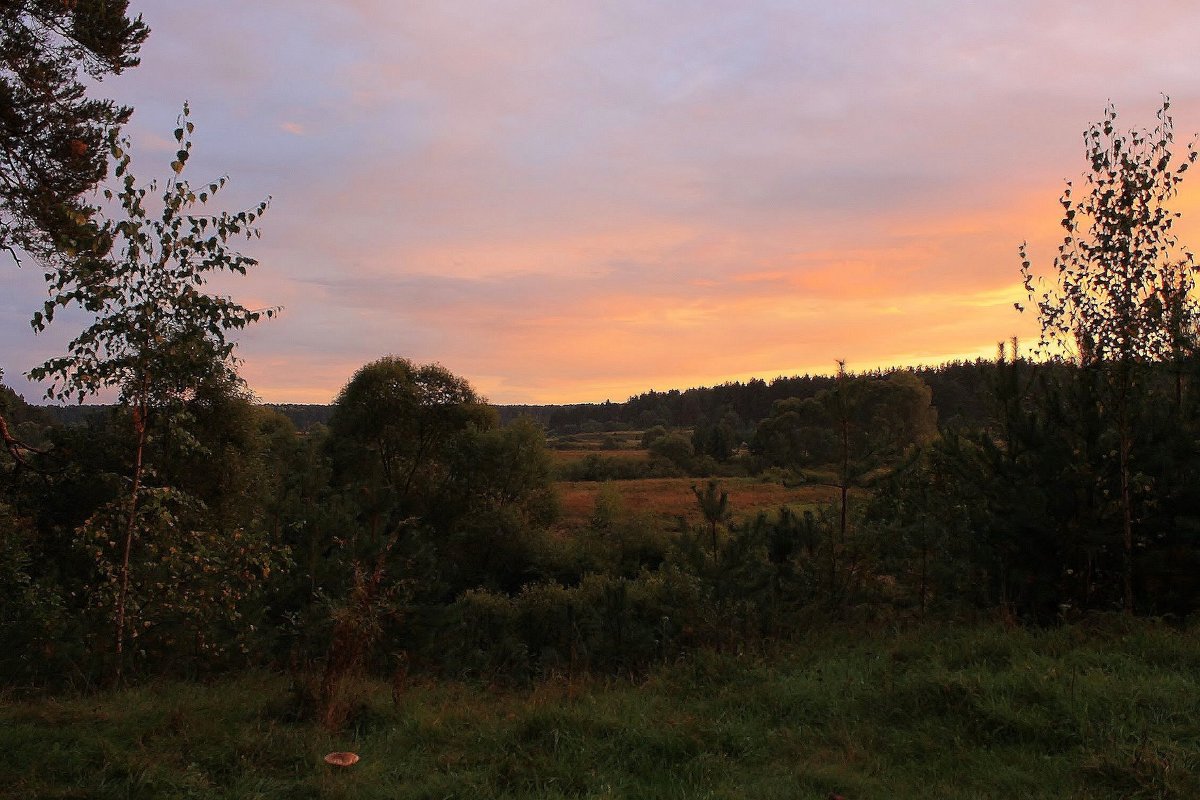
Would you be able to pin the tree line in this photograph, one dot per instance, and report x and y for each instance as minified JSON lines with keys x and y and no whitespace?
{"x":957,"y":388}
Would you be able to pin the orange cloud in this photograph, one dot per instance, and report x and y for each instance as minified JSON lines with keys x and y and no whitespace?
{"x":580,"y":201}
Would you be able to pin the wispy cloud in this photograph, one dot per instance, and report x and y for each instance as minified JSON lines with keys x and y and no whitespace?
{"x":574,"y":201}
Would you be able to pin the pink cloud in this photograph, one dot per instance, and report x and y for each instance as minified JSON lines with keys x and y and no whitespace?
{"x":574,"y":201}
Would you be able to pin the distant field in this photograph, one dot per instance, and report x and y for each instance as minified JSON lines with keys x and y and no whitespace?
{"x":618,"y":440}
{"x":568,"y":456}
{"x":664,"y":499}
{"x":667,"y":498}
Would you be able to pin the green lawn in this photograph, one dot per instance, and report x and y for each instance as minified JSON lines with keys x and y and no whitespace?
{"x":1107,"y":710}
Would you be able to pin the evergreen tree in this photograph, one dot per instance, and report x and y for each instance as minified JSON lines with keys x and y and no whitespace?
{"x":54,"y":138}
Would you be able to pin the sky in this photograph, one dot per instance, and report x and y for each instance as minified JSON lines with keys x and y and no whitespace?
{"x":584,"y":200}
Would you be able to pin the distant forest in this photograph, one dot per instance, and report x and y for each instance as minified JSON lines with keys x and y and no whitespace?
{"x":958,"y":394}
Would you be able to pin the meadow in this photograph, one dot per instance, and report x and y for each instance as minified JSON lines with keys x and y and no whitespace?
{"x":1101,"y":709}
{"x":663,"y":501}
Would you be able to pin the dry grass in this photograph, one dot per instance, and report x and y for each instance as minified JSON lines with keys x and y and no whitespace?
{"x":668,"y":498}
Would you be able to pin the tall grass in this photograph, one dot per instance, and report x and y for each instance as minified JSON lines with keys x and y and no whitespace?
{"x":1097,"y":711}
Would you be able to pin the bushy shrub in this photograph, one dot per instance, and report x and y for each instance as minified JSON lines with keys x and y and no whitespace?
{"x":194,"y":594}
{"x":675,"y":448}
{"x":36,"y":625}
{"x":617,"y":542}
{"x":652,"y":435}
{"x":595,"y":467}
{"x":605,"y":623}
{"x":481,"y":637}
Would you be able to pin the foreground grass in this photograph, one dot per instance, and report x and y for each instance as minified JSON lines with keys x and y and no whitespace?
{"x":1107,"y":710}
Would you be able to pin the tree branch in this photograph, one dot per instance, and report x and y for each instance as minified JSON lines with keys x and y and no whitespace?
{"x":16,"y":448}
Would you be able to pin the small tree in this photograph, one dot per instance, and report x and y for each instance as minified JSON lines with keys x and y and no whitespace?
{"x":675,"y":448}
{"x":393,"y":425}
{"x":156,"y":334}
{"x":1119,"y":296}
{"x":858,"y":426}
{"x":714,"y":506}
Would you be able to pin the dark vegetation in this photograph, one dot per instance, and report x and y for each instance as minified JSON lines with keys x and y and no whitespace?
{"x":958,"y":391}
{"x":411,"y":535}
{"x":414,"y":533}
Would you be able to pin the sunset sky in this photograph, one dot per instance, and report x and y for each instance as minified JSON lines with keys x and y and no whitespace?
{"x":576,"y":200}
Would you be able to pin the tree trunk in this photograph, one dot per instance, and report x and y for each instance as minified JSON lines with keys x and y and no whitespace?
{"x":1126,"y":445}
{"x":845,"y":490}
{"x":845,"y":426}
{"x":16,"y":448}
{"x":1127,"y":522}
{"x":924,"y":573}
{"x":10,"y":444}
{"x":139,"y":425}
{"x":833,"y":591}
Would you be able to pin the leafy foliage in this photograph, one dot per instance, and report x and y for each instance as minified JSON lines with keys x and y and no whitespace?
{"x":54,"y":139}
{"x":861,"y":420}
{"x":156,"y":336}
{"x":156,"y":333}
{"x":403,"y":418}
{"x":1121,"y":284}
{"x":194,"y":585}
{"x":415,"y":532}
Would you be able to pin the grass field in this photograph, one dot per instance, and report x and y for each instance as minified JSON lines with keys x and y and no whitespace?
{"x":664,"y":499}
{"x":569,"y":456}
{"x":597,"y":442}
{"x":1103,"y":711}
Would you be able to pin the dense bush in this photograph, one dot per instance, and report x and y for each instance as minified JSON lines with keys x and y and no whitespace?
{"x":596,"y":467}
{"x":604,"y":623}
{"x":336,"y":550}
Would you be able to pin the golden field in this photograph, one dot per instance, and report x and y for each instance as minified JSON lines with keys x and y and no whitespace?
{"x":668,"y":498}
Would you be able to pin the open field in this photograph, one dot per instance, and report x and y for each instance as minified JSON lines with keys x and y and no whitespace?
{"x":596,"y":442}
{"x":1103,"y":711}
{"x":568,"y":456}
{"x":665,"y":499}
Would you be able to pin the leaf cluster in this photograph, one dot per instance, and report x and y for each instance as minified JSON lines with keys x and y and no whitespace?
{"x":54,"y":139}
{"x":156,"y":331}
{"x":862,"y":421}
{"x":1120,"y":288}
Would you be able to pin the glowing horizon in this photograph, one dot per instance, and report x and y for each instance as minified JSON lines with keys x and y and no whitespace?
{"x":587,"y":201}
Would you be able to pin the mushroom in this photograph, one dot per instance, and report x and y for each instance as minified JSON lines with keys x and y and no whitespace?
{"x":341,"y":759}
